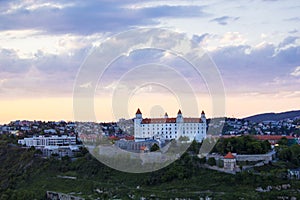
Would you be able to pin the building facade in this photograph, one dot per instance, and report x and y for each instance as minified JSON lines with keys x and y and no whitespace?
{"x":169,"y":128}
{"x":54,"y":145}
{"x":54,"y":140}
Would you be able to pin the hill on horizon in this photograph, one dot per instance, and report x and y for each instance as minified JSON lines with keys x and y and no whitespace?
{"x":274,"y":116}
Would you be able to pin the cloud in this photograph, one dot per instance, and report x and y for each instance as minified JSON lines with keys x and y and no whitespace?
{"x":45,"y":75}
{"x":289,"y":55}
{"x":87,"y":17}
{"x":173,"y":11}
{"x":288,"y":40}
{"x":233,"y":38}
{"x":200,"y":38}
{"x":257,"y":68}
{"x":293,"y":31}
{"x":224,"y":20}
{"x":11,"y":63}
{"x":296,"y":19}
{"x":296,"y":72}
{"x":43,"y":43}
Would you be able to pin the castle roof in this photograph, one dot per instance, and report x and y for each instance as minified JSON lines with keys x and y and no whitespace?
{"x":203,"y":113}
{"x":169,"y":120}
{"x":192,"y":120}
{"x":229,"y":156}
{"x":179,"y":112}
{"x":158,"y":120}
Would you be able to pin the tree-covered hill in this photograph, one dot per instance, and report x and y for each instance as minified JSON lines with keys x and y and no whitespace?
{"x":25,"y":175}
{"x":274,"y":116}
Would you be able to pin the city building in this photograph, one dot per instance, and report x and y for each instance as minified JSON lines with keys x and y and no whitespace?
{"x":55,"y":145}
{"x":140,"y":146}
{"x":294,"y":173}
{"x":169,"y":128}
{"x":54,"y":140}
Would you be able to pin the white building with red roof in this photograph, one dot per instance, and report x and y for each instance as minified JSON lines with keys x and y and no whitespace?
{"x":229,"y":161}
{"x":169,"y":128}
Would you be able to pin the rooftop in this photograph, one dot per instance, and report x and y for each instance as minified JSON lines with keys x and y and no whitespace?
{"x":169,"y":120}
{"x":229,"y":156}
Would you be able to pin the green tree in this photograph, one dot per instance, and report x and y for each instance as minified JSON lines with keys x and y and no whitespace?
{"x":183,"y":138}
{"x":154,"y":147}
{"x":242,"y":145}
{"x":220,"y":163}
{"x":283,"y":141}
{"x":194,"y":147}
{"x":202,"y":160}
{"x":295,"y":151}
{"x":285,"y":154}
{"x":211,"y":161}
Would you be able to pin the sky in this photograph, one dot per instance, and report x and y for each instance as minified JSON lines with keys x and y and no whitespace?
{"x":255,"y":45}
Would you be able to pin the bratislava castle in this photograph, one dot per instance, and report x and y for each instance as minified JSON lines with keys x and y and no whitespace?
{"x":169,"y":128}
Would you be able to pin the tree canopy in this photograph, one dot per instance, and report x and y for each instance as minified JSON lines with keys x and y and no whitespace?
{"x":242,"y":145}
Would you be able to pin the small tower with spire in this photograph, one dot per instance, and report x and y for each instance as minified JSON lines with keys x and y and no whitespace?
{"x":137,"y":124}
{"x":166,"y":115}
{"x":203,"y":118}
{"x":179,"y":122}
{"x":179,"y":117}
{"x":179,"y":114}
{"x":138,"y":114}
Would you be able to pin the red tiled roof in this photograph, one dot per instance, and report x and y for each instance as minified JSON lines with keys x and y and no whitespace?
{"x":229,"y":156}
{"x":138,"y":111}
{"x":271,"y":137}
{"x":129,"y":137}
{"x":169,"y":120}
{"x":192,"y":120}
{"x":113,"y":137}
{"x":229,"y":136}
{"x":158,"y":120}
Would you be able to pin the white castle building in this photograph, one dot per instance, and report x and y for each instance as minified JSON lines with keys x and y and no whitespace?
{"x":169,"y":128}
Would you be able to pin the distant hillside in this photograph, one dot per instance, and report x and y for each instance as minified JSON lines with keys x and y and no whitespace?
{"x":274,"y":116}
